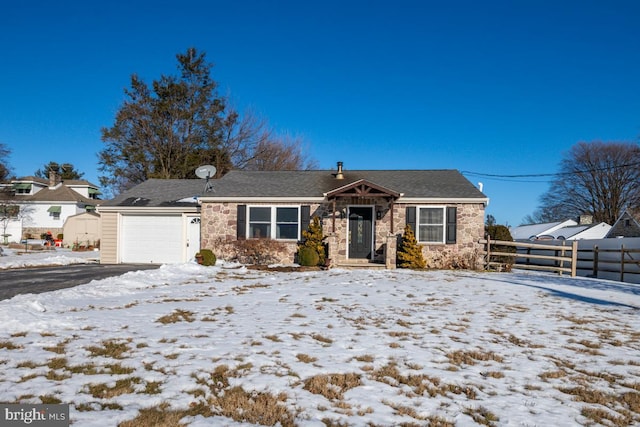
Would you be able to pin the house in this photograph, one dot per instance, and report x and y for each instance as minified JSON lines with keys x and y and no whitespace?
{"x":363,"y":213}
{"x":561,"y":230}
{"x":627,"y":225}
{"x":39,"y":206}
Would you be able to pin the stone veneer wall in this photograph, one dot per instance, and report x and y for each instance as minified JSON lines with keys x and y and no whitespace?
{"x":466,"y":252}
{"x":219,"y":230}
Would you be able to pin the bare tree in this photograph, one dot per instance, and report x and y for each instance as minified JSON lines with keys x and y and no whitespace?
{"x":280,"y":153}
{"x":5,"y":169}
{"x":597,"y":178}
{"x":11,"y":212}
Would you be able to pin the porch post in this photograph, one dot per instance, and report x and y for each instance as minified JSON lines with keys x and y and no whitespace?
{"x":391,"y":251}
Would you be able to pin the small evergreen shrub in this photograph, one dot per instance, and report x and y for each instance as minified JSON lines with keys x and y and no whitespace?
{"x":409,"y":252}
{"x":208,"y":257}
{"x":314,"y":239}
{"x":501,"y":232}
{"x":307,"y":256}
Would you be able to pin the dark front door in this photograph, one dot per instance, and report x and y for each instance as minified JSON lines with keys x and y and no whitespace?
{"x":360,"y":232}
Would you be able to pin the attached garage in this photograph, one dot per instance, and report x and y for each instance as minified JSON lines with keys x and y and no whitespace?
{"x":156,"y":222}
{"x":149,"y":239}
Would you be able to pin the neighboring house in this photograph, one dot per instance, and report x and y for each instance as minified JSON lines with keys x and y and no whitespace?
{"x":82,"y":230}
{"x":155,"y":222}
{"x":44,"y":205}
{"x":627,"y":225}
{"x":562,"y":230}
{"x":534,"y":231}
{"x":363,"y":214}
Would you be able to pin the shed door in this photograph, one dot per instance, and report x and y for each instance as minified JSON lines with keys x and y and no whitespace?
{"x":360,"y":232}
{"x":151,"y":239}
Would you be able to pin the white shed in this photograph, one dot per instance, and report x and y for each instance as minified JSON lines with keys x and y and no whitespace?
{"x":83,"y":228}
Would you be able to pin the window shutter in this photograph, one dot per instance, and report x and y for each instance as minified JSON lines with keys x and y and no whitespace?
{"x":452,"y":213}
{"x":305,"y":218}
{"x":242,"y":222}
{"x":411,"y":219}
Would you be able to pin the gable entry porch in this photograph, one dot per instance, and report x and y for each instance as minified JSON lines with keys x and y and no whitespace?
{"x":360,"y":225}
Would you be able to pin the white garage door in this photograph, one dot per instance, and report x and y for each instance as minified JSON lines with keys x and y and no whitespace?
{"x":151,"y":239}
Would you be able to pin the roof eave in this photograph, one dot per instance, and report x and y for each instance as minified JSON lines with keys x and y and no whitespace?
{"x":148,"y":209}
{"x":432,"y":200}
{"x":261,"y":199}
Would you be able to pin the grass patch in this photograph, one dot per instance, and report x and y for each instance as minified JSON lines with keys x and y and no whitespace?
{"x":177,"y":316}
{"x":110,"y":348}
{"x":305,"y":358}
{"x":8,"y":345}
{"x":122,"y":386}
{"x":332,"y":386}
{"x":470,"y":357}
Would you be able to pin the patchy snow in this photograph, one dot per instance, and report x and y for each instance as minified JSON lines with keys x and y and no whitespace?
{"x":19,"y":258}
{"x":510,"y":349}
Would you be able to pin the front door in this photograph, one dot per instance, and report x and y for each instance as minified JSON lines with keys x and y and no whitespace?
{"x":193,"y":236}
{"x":360,"y":232}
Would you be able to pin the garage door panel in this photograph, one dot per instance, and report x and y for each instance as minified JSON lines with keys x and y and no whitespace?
{"x":152,"y":239}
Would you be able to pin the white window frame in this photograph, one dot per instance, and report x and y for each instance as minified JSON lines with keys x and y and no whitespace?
{"x":273,"y":224}
{"x":443,"y":226}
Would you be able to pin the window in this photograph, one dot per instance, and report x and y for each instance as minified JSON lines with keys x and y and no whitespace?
{"x":431,"y":225}
{"x":54,"y":211}
{"x":22,"y":188}
{"x":274,"y":222}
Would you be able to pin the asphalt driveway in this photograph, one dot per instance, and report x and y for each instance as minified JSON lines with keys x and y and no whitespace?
{"x":44,"y":279}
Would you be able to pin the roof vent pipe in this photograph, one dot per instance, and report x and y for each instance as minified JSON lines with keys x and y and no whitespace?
{"x":339,"y":175}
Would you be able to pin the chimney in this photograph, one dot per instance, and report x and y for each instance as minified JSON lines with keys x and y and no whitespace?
{"x":585,"y":219}
{"x":54,"y":178}
{"x":339,"y":175}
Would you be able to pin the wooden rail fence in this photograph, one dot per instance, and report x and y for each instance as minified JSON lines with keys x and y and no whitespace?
{"x":565,"y":258}
{"x":619,"y":265}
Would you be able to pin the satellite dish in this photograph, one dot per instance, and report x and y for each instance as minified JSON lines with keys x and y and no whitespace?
{"x":206,"y":172}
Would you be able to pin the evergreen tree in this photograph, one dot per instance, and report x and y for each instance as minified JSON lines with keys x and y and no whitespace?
{"x":66,"y":171}
{"x":409,"y":252}
{"x":313,"y":238}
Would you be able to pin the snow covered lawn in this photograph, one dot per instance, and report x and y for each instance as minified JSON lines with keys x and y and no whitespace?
{"x":227,"y":345}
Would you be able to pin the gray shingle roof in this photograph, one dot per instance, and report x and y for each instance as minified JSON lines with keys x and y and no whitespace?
{"x":411,"y":183}
{"x":246,"y":184}
{"x":160,"y":193}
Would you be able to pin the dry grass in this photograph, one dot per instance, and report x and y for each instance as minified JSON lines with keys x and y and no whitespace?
{"x":122,"y":386}
{"x":177,"y":316}
{"x":8,"y":345}
{"x":471,"y":357}
{"x":332,"y":386}
{"x":114,"y":349}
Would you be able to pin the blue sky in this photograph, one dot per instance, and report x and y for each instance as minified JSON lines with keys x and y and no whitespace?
{"x":491,"y":87}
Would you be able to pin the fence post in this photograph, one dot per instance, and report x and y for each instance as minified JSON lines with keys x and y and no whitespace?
{"x":560,"y":263}
{"x":574,"y":258}
{"x":595,"y":261}
{"x":622,"y":263}
{"x":488,"y":266}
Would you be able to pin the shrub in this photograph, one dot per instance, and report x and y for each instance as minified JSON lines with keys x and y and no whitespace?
{"x":313,"y":238}
{"x":208,"y":258}
{"x":409,"y":252}
{"x":501,"y":232}
{"x":307,"y":256}
{"x":250,"y":251}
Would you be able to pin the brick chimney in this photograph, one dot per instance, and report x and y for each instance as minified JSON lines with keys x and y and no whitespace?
{"x":54,"y":179}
